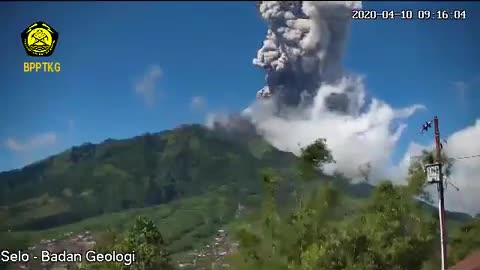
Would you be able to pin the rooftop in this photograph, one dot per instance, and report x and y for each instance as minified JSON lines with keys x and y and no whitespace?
{"x":471,"y":262}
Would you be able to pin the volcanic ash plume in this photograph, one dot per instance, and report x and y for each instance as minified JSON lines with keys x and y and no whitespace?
{"x":309,"y":96}
{"x":303,"y":49}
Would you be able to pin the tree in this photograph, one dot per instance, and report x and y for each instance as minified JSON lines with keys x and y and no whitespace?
{"x":389,"y":232}
{"x":149,"y":246}
{"x":417,"y":177}
{"x":313,"y":158}
{"x":278,"y":241}
{"x":464,"y":241}
{"x":144,"y":239}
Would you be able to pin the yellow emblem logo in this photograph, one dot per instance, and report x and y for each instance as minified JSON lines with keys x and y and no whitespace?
{"x":39,"y":39}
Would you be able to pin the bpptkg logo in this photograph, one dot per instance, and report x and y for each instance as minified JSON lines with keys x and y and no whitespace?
{"x":39,"y":39}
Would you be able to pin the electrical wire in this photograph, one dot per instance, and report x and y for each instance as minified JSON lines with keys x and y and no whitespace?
{"x":465,"y":157}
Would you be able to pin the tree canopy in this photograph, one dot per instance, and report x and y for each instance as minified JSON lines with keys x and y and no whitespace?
{"x":144,"y":239}
{"x":389,"y":231}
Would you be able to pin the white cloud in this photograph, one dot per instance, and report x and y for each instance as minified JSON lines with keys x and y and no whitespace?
{"x":363,"y":136}
{"x":33,"y":143}
{"x":198,"y":103}
{"x":368,"y":135}
{"x":371,"y":137}
{"x":146,"y":87}
{"x":465,"y":172}
{"x":399,"y":173}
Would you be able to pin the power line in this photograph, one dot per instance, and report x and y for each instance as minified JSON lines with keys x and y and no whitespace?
{"x":466,"y":157}
{"x":451,"y":158}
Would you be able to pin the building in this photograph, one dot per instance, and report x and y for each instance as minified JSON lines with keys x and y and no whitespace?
{"x":471,"y":262}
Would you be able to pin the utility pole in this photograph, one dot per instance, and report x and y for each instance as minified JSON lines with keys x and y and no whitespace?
{"x":441,"y":201}
{"x":435,"y":176}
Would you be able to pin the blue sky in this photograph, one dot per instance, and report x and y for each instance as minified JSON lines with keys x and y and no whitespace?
{"x":205,"y":49}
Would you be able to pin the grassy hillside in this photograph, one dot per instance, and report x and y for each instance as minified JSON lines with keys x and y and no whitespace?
{"x":115,"y":175}
{"x":186,"y":223}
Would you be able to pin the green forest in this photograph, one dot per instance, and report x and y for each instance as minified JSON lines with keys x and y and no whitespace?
{"x":390,"y":231}
{"x":165,"y":194}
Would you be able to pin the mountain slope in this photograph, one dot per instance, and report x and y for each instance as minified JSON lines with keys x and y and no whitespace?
{"x":120,"y":174}
{"x":147,"y":170}
{"x":189,"y":181}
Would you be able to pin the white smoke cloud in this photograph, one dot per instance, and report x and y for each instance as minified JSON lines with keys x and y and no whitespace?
{"x":464,"y":172}
{"x":355,"y":139}
{"x":399,"y":173}
{"x":308,"y":96}
{"x":368,"y":138}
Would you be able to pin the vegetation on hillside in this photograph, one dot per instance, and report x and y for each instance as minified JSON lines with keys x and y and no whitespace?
{"x":116,"y":175}
{"x":185,"y":224}
{"x":391,"y":231}
{"x":143,"y":240}
{"x":189,"y":181}
{"x":465,"y":240}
